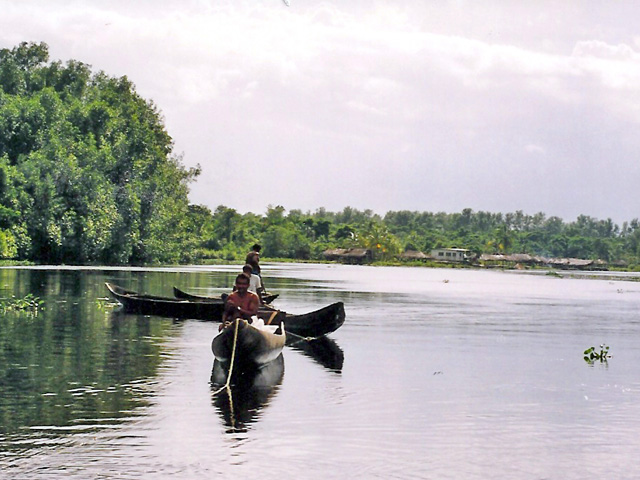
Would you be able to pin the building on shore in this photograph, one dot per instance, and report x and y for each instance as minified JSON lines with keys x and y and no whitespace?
{"x":450,"y":254}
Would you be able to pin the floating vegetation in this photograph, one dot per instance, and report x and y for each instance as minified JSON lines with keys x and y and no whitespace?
{"x":28,"y":303}
{"x":106,"y":303}
{"x":592,"y":355}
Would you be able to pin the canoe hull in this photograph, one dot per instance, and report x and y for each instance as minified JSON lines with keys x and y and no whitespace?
{"x":182,"y":295}
{"x":313,"y":324}
{"x":141,"y":304}
{"x":254,"y":347}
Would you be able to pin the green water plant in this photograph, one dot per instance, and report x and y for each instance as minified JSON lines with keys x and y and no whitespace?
{"x":106,"y":303}
{"x":592,"y":354}
{"x":29,"y":303}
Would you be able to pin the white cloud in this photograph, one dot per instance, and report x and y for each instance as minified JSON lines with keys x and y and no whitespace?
{"x":600,"y":49}
{"x":324,"y":85}
{"x":535,"y":149}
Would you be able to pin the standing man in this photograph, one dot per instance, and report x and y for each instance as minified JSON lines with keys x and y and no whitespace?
{"x":241,"y":303}
{"x":253,"y":258}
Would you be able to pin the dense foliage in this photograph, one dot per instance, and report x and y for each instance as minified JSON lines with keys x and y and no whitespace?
{"x":87,"y":175}
{"x":306,"y":235}
{"x":86,"y":167}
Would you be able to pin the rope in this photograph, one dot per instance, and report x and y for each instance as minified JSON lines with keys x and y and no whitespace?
{"x":233,"y":357}
{"x":275,"y":312}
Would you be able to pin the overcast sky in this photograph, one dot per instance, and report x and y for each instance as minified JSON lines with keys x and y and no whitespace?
{"x":388,"y":105}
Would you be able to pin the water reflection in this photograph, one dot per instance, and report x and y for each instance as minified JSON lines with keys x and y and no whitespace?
{"x":324,"y":350}
{"x":250,"y":392}
{"x":72,"y":368}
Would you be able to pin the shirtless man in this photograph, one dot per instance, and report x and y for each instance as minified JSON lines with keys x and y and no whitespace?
{"x":253,"y":258}
{"x":241,"y":303}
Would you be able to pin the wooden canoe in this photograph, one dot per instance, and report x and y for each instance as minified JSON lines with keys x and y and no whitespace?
{"x":313,"y":324}
{"x":182,"y":295}
{"x":143,"y":304}
{"x":256,"y":344}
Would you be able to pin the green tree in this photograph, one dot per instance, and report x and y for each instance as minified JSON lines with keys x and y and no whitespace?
{"x":87,"y":168}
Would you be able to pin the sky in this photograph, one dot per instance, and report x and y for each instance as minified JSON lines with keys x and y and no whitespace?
{"x":383,"y":105}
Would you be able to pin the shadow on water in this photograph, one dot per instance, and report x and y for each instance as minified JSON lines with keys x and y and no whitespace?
{"x":250,"y":392}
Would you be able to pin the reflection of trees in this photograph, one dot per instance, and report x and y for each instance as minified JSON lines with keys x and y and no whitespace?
{"x":63,"y":366}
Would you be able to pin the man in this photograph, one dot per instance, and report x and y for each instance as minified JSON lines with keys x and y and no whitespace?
{"x":255,"y":282}
{"x":253,"y":259}
{"x":241,"y":303}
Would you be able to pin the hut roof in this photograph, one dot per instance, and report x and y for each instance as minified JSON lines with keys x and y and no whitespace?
{"x":358,"y":252}
{"x":492,"y":257}
{"x":519,"y":257}
{"x":413,"y":255}
{"x":335,"y":251}
{"x":578,"y":262}
{"x":347,"y":252}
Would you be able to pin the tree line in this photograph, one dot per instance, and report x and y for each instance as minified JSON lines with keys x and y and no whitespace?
{"x":88,"y":175}
{"x":299,"y":235}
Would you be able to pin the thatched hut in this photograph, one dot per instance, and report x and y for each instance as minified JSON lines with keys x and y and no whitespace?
{"x":411,"y":255}
{"x":349,"y":255}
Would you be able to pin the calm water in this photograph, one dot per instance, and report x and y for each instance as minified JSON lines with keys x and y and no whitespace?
{"x":436,"y":374}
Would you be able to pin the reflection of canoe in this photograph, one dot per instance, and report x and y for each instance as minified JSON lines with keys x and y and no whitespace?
{"x":143,"y":304}
{"x":181,"y":294}
{"x":322,"y":350}
{"x":241,"y":404}
{"x":312,"y":324}
{"x":255,"y":346}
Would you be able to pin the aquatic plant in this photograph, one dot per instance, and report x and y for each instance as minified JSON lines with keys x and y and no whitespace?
{"x":29,"y":303}
{"x":591,"y":354}
{"x":106,"y":303}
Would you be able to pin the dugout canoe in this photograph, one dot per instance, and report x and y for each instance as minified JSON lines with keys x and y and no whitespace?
{"x":251,"y":345}
{"x":182,"y":295}
{"x":144,"y":304}
{"x":313,"y":324}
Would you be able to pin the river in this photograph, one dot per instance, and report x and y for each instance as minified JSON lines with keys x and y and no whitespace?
{"x":436,"y":373}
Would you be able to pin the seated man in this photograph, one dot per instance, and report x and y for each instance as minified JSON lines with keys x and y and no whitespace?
{"x":241,"y":303}
{"x":255,"y":282}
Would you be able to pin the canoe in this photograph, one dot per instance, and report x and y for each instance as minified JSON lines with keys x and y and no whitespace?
{"x":313,"y":324}
{"x":143,"y":304}
{"x":181,"y":294}
{"x":255,"y":344}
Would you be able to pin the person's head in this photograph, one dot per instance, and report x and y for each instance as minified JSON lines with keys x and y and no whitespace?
{"x":256,"y":247}
{"x":247,"y":270}
{"x":242,"y":283}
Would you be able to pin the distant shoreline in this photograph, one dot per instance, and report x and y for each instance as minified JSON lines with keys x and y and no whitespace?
{"x":611,"y":275}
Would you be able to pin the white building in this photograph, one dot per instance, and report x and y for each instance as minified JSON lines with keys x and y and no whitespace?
{"x":450,"y":254}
